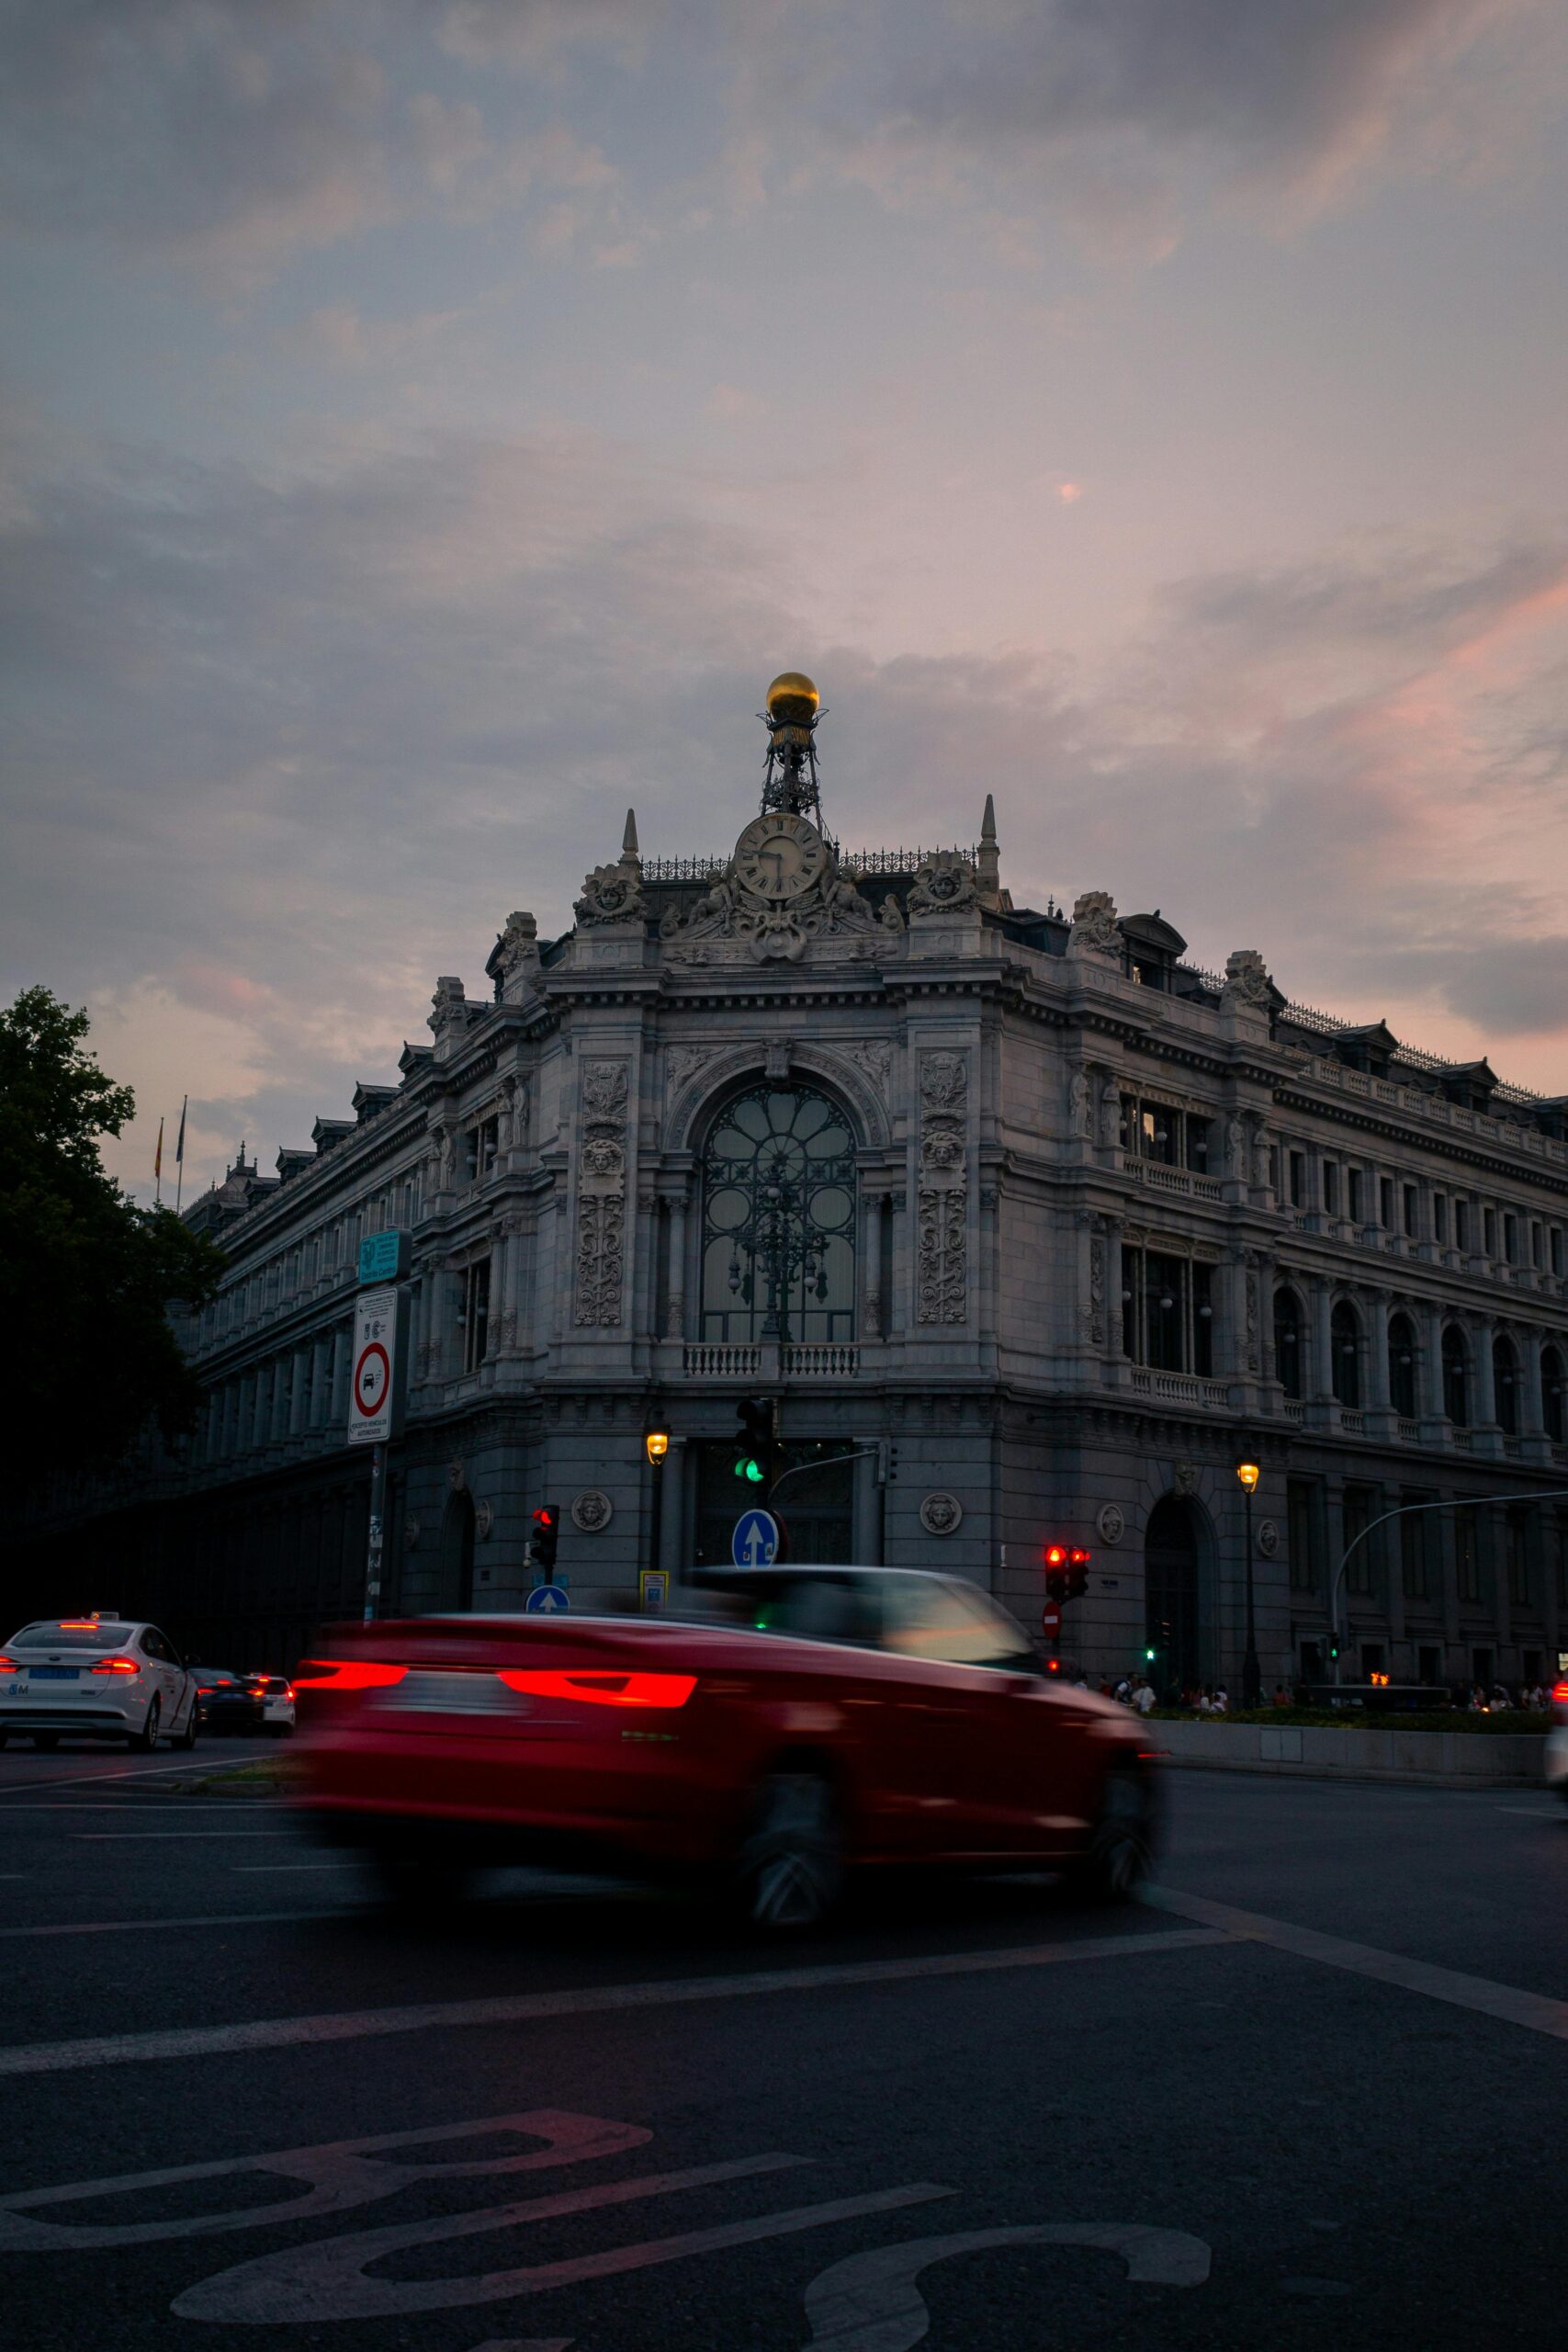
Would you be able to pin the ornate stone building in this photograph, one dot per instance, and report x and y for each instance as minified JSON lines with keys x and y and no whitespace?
{"x":1064,"y":1224}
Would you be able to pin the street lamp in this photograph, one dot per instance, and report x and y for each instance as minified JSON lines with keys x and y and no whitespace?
{"x":1251,"y":1675}
{"x":655,"y":1445}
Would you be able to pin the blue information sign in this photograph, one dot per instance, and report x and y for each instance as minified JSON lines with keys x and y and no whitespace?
{"x":547,"y":1600}
{"x":384,"y":1257}
{"x":755,"y":1542}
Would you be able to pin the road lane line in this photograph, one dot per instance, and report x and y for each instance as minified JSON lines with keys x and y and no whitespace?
{"x":251,"y":1870}
{"x":1534,"y":2010}
{"x":202,"y":1919}
{"x":529,"y":2009}
{"x":127,"y":1777}
{"x":116,"y":1836}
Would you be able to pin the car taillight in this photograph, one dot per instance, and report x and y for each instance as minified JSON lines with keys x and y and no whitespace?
{"x":117,"y":1665}
{"x":287,"y":1690}
{"x":8,"y":1665}
{"x":601,"y":1688}
{"x":1559,"y":1691}
{"x":347,"y":1674}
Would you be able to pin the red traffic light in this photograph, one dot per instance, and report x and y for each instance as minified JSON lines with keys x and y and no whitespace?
{"x":1056,"y":1556}
{"x":1077,"y":1558}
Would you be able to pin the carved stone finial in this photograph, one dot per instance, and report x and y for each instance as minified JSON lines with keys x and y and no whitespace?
{"x":629,"y":841}
{"x":1247,"y":988}
{"x":988,"y":869}
{"x":945,"y":886}
{"x":448,"y":1014}
{"x":1095,"y":930}
{"x":515,"y":955}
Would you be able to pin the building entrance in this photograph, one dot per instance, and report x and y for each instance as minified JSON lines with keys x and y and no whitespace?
{"x":458,"y":1552}
{"x":1170,"y":1596}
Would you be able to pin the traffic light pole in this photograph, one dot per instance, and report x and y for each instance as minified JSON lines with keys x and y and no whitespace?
{"x":1251,"y":1670}
{"x":1409,"y":1510}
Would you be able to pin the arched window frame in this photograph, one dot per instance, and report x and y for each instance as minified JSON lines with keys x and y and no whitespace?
{"x":726,"y":1268}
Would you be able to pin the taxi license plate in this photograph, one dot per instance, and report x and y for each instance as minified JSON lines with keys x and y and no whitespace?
{"x":53,"y":1673}
{"x":424,"y":1693}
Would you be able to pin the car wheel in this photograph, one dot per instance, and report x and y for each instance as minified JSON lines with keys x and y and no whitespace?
{"x":46,"y":1740}
{"x":1120,"y":1847}
{"x":145,"y":1740}
{"x":792,"y":1866}
{"x":185,"y":1740}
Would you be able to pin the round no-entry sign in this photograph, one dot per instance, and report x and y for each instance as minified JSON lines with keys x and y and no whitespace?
{"x":372,"y":1378}
{"x":1050,"y":1619}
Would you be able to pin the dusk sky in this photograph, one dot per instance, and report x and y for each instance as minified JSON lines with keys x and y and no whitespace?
{"x":431,"y":422}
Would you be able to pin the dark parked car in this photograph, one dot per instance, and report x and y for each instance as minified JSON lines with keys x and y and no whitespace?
{"x":228,"y":1701}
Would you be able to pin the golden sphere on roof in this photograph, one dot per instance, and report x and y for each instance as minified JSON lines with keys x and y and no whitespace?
{"x":793,"y":698}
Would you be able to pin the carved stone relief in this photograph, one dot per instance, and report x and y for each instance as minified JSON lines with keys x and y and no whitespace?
{"x":943,"y":886}
{"x":612,"y":894}
{"x":1095,"y":930}
{"x":940,"y":1513}
{"x":682,"y":1061}
{"x":874,"y":1055}
{"x":592,"y":1511}
{"x":942,"y":1213}
{"x":1096,"y":1289}
{"x":515,"y":957}
{"x":602,"y":1196}
{"x":1248,"y":985}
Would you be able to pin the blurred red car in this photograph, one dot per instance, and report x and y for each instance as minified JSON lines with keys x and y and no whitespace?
{"x":849,"y":1718}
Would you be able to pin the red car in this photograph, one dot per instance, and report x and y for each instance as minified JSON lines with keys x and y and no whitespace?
{"x":846,"y":1717}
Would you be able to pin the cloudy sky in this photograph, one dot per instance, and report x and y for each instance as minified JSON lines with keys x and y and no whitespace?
{"x":429,"y":423}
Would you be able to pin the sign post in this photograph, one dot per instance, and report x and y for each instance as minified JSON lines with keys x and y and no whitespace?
{"x":376,"y":1384}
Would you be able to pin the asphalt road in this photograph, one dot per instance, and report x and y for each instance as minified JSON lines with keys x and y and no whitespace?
{"x":1313,"y":2093}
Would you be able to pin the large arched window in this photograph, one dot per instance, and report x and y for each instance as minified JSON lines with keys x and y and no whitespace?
{"x":779,"y":1218}
{"x":1506,"y":1386}
{"x":1401,"y":1366}
{"x":1289,"y":1369}
{"x":1456,"y":1377}
{"x":1552,"y":1394}
{"x":1346,"y":1335}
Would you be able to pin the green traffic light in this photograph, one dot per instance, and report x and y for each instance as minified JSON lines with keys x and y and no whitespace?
{"x":750,"y":1467}
{"x":1150,"y":1655}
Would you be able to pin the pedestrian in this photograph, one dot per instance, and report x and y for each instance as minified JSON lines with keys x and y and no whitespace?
{"x":1282,"y":1696}
{"x":1205,"y":1701}
{"x":1142,"y":1696}
{"x":1123,"y":1690}
{"x":1222,"y":1700}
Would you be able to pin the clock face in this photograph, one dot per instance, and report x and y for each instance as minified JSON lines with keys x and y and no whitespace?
{"x":780,"y":856}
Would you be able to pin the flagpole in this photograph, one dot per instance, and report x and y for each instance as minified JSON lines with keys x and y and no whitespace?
{"x":158,"y":1169}
{"x":180,"y":1156}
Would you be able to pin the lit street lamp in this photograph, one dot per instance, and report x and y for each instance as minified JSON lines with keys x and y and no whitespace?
{"x":655,"y":1445}
{"x":1251,"y":1674}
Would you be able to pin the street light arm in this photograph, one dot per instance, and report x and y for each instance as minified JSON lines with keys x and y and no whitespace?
{"x":829,"y":1462}
{"x":1409,"y":1510}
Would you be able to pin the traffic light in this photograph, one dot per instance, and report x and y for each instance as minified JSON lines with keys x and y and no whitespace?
{"x":887,"y":1460}
{"x":754,"y":1440}
{"x":544,"y":1535}
{"x":1066,"y":1571}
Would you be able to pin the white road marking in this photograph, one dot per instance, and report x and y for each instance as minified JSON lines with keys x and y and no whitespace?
{"x":1535,"y":1812}
{"x":1534,"y":2010}
{"x":111,"y":1837}
{"x":527,"y":2343}
{"x":202,"y":1919}
{"x":326,"y":2281}
{"x":340,"y":2176}
{"x":251,"y":1870}
{"x":872,"y":2303}
{"x":533,"y":2009}
{"x":148,"y":1772}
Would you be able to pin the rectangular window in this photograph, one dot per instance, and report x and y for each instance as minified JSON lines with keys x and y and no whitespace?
{"x":1197,"y":1145}
{"x":1557,"y":1249}
{"x":1516,"y":1535}
{"x":1274,"y":1170}
{"x":1298,"y":1170}
{"x":1331,"y":1187}
{"x":1415,"y":1546}
{"x":1489,"y":1229}
{"x":1359,"y":1511}
{"x":1461,"y":1225}
{"x":479,"y":1148}
{"x":1129,"y":1128}
{"x":1300,"y":1526}
{"x":1354,"y":1191}
{"x":1510,"y":1237}
{"x":1467,"y":1553}
{"x":1439,"y":1216}
{"x":1412,"y":1211}
{"x":1537,"y":1248}
{"x":1159,"y":1135}
{"x":1164,"y":1317}
{"x":1385,"y":1203}
{"x":476,"y":1315}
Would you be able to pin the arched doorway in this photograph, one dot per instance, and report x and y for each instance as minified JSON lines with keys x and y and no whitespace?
{"x":458,"y":1552}
{"x":1171,"y":1594}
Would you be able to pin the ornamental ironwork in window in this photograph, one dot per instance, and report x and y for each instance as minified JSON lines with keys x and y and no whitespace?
{"x":779,"y":1219}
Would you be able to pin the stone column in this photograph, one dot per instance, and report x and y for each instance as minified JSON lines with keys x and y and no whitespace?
{"x":1377,"y":1389}
{"x":675,"y":1304}
{"x":321,"y":1361}
{"x":1484,"y":1393}
{"x":875,"y":1208}
{"x":342,"y":1347}
{"x":866,"y":1514}
{"x":1432,"y":1365}
{"x":1322,"y":1343}
{"x":278,"y":1428}
{"x":297,"y":1393}
{"x":259,"y":1402}
{"x":672,"y":1536}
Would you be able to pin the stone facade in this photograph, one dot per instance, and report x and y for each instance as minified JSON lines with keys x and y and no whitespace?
{"x":1104,"y":1222}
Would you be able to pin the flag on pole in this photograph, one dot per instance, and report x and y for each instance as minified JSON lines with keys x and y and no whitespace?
{"x":158,"y":1161}
{"x":180,"y":1138}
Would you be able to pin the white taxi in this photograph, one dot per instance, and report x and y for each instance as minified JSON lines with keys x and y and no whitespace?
{"x":96,"y":1678}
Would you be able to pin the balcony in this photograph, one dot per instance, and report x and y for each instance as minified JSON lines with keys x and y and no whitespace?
{"x":1159,"y":1178}
{"x":762,"y":1360}
{"x":1179,"y":1388}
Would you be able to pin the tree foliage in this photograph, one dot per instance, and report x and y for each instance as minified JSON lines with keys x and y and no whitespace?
{"x":90,"y":1361}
